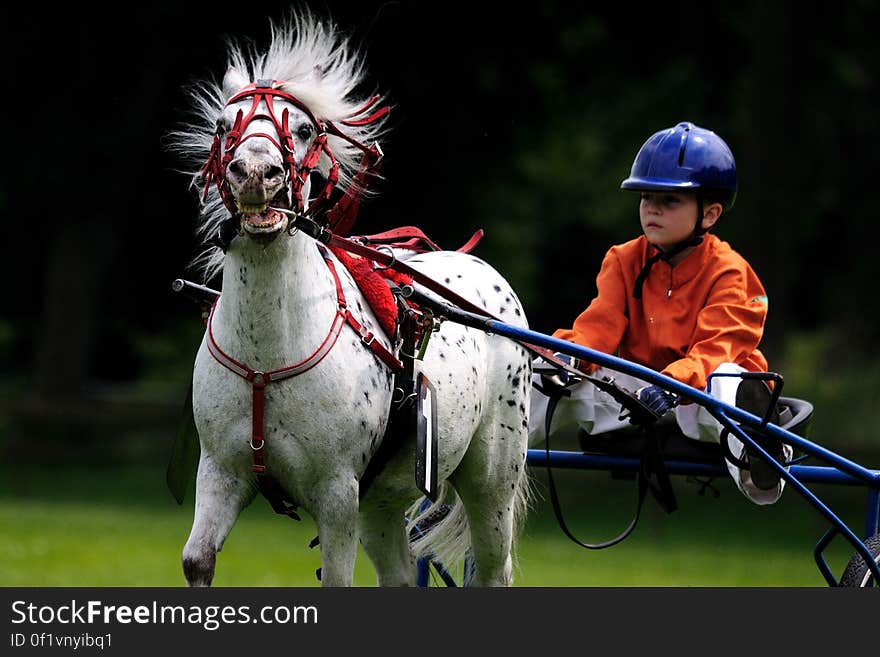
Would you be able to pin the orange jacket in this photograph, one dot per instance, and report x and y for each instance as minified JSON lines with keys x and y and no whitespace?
{"x":708,"y":309}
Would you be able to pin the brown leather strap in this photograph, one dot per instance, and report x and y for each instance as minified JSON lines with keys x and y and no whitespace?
{"x":468,"y":246}
{"x":375,"y":346}
{"x":411,"y":237}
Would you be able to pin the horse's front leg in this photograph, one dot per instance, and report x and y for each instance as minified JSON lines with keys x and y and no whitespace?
{"x":220,"y":497}
{"x":336,"y":517}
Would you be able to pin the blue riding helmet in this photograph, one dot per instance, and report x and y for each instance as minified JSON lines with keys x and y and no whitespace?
{"x":686,"y":157}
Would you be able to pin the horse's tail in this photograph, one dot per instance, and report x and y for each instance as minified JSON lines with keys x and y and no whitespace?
{"x":440,"y":530}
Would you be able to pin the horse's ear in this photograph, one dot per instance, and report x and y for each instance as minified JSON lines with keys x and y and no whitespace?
{"x":232,"y":82}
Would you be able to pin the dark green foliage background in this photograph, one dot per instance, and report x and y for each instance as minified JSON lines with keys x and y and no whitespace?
{"x":520,"y":121}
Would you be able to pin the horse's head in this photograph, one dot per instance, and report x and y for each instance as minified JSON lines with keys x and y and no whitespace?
{"x":266,"y":146}
{"x":285,"y":129}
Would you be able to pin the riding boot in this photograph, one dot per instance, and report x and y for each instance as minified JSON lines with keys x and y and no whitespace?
{"x":754,"y":396}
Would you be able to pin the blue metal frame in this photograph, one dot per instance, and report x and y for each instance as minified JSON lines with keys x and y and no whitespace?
{"x":841,"y":470}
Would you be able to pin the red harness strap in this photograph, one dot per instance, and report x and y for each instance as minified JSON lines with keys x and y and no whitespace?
{"x":259,"y":380}
{"x":411,"y":237}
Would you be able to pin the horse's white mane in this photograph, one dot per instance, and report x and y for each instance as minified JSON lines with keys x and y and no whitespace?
{"x":319,"y":66}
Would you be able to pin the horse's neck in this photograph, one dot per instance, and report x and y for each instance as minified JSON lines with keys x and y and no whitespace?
{"x":277,"y":304}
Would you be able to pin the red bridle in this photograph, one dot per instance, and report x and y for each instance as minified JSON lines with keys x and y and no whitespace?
{"x":341,"y":216}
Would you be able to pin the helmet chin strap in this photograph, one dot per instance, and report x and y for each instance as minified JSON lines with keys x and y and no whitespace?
{"x":695,"y":239}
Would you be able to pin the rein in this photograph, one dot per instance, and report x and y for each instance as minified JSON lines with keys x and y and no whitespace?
{"x":652,"y":475}
{"x":389,"y":261}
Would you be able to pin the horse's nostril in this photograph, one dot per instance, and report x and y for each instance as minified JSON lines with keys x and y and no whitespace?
{"x":274,"y":172}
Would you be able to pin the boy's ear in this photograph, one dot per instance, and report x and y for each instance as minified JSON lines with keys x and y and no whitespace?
{"x":711,"y":214}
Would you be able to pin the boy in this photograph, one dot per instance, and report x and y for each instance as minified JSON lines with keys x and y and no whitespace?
{"x":678,"y":300}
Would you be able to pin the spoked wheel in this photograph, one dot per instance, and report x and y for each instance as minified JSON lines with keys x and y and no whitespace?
{"x":857,"y":573}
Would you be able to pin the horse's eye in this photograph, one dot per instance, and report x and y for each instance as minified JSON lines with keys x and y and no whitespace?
{"x":304,"y":132}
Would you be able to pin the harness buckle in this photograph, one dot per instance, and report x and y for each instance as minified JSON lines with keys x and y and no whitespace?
{"x":385,"y":247}
{"x":258,"y":446}
{"x":428,"y":326}
{"x":259,"y":378}
{"x":368,"y":338}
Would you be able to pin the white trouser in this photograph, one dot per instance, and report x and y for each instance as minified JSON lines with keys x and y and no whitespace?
{"x":598,"y":412}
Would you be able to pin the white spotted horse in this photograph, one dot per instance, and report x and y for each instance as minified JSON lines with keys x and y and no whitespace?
{"x":298,"y":372}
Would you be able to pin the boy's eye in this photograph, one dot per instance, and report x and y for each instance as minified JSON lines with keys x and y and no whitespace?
{"x":662,"y":199}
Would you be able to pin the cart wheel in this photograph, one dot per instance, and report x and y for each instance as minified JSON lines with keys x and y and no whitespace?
{"x":856,"y":572}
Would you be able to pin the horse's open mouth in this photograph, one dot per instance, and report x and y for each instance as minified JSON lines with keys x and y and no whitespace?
{"x":265,"y":222}
{"x":262,"y":220}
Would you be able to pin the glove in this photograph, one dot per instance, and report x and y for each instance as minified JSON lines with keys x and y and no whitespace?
{"x":559,"y":377}
{"x":657,"y":399}
{"x":571,"y":361}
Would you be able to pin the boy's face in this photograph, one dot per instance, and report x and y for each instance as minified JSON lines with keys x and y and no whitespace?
{"x":668,"y":218}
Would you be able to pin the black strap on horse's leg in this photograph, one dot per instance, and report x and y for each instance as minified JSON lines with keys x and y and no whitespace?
{"x":651,"y":463}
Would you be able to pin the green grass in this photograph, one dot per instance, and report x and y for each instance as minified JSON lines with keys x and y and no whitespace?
{"x":120,"y":527}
